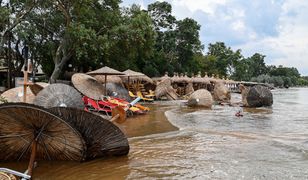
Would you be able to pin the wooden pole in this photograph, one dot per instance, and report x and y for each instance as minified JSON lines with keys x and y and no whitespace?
{"x":25,"y":86}
{"x":32,"y":157}
{"x":105,"y":85}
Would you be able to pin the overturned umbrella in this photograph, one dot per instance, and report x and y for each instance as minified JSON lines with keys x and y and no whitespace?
{"x":59,"y":95}
{"x":31,"y":132}
{"x":88,"y":86}
{"x":102,"y":137}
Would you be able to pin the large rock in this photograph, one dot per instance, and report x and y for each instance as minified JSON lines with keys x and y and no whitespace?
{"x":258,"y":96}
{"x":201,"y":97}
{"x":221,"y":93}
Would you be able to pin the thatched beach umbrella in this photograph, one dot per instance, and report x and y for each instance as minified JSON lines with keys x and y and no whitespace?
{"x":31,"y":132}
{"x":88,"y":86}
{"x":164,"y":88}
{"x":221,"y":93}
{"x":105,"y":71}
{"x":175,"y":78}
{"x":136,"y":76}
{"x":59,"y":95}
{"x":102,"y":137}
{"x":16,"y":95}
{"x":201,"y":97}
{"x":110,"y":79}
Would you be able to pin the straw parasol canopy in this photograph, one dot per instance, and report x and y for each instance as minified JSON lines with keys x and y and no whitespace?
{"x":26,"y":129}
{"x":198,"y":79}
{"x":102,"y":137}
{"x":105,"y":71}
{"x":37,"y":87}
{"x":88,"y":86}
{"x":164,"y":88}
{"x":136,"y":76}
{"x":110,"y":79}
{"x":175,"y":78}
{"x":258,"y":96}
{"x":221,"y":93}
{"x":201,"y":97}
{"x":59,"y":95}
{"x":16,"y":95}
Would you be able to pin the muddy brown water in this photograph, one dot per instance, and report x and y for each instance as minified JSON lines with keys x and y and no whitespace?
{"x":177,"y":142}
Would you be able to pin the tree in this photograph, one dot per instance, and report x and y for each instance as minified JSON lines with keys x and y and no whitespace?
{"x":188,"y":43}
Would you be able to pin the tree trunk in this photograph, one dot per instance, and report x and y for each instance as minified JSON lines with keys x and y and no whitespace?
{"x":59,"y":64}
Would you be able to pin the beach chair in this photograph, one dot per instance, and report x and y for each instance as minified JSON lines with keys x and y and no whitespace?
{"x":150,"y":95}
{"x":97,"y":108}
{"x":132,"y":95}
{"x":139,"y":94}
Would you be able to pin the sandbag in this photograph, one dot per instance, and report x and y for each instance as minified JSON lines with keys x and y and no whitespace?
{"x":259,"y":96}
{"x":201,"y":97}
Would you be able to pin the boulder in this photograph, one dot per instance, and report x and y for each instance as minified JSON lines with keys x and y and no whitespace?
{"x":259,"y":96}
{"x":201,"y":97}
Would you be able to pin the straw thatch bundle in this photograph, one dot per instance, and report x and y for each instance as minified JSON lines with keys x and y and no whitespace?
{"x":201,"y":97}
{"x":114,"y":89}
{"x":258,"y":96}
{"x":101,"y":136}
{"x":164,"y":88}
{"x":221,"y":93}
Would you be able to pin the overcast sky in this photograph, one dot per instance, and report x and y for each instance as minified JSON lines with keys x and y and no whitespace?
{"x":275,"y":28}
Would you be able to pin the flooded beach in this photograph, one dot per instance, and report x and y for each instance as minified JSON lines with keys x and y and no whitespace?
{"x":177,"y":142}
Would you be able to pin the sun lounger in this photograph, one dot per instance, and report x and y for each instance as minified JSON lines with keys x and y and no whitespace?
{"x":139,"y":94}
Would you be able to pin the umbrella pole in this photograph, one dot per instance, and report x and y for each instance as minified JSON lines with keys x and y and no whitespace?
{"x":25,"y":86}
{"x":32,"y":157}
{"x":105,"y":85}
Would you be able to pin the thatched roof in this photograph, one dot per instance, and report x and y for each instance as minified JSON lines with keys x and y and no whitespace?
{"x":105,"y":71}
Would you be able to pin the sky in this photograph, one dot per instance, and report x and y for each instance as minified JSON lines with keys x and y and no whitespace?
{"x":275,"y":28}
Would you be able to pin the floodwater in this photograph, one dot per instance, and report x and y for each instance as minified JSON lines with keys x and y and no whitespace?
{"x":266,"y":143}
